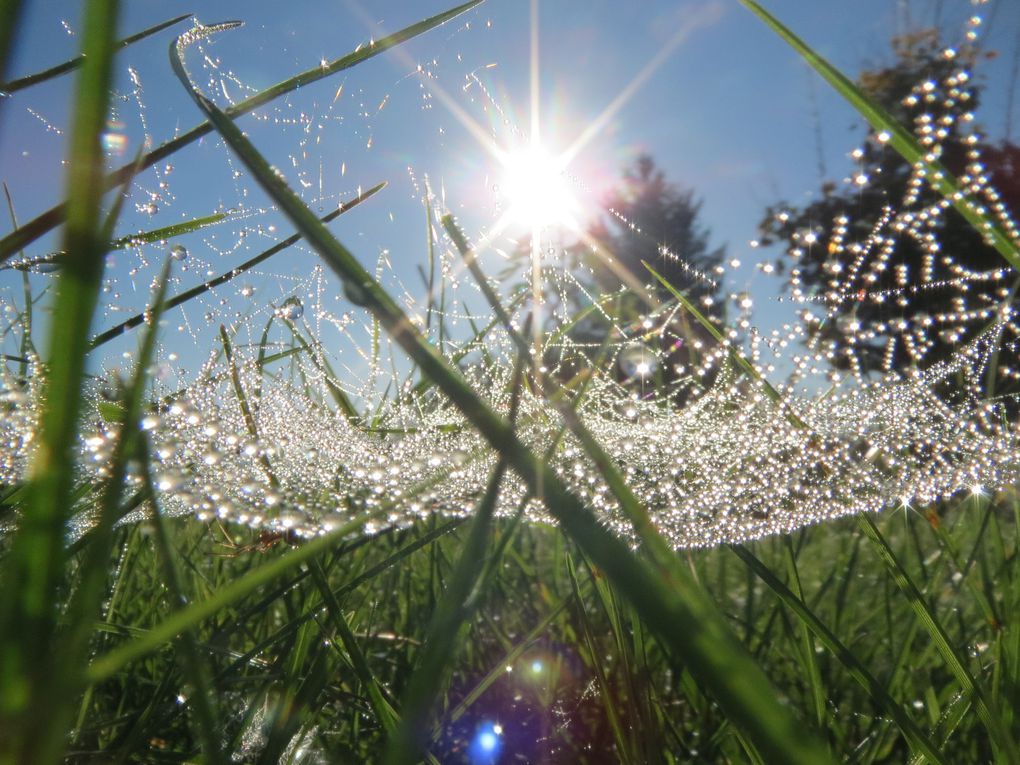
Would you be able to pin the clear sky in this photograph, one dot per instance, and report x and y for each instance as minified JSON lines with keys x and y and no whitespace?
{"x":704,"y":87}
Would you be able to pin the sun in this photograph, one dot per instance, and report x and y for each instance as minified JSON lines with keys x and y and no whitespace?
{"x":537,"y":190}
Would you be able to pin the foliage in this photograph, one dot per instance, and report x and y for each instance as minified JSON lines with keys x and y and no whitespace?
{"x":896,"y":291}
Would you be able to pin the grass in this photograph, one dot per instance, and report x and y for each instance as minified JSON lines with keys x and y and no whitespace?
{"x":869,"y":641}
{"x":597,"y":663}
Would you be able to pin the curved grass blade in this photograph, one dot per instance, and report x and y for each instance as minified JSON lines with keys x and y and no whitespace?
{"x":919,"y":741}
{"x":184,"y":297}
{"x":53,"y":217}
{"x":987,"y":710}
{"x":943,"y":181}
{"x":669,"y":600}
{"x":193,"y":663}
{"x":55,"y":71}
{"x":33,"y":570}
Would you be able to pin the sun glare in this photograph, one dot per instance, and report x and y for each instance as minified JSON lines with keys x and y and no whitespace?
{"x":536,"y":189}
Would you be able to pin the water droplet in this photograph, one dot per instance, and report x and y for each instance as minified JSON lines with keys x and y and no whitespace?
{"x":636,"y":360}
{"x":355,"y":293}
{"x":292,"y":309}
{"x":178,"y":252}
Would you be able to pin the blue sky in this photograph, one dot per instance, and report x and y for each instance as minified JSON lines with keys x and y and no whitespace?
{"x":728,"y":110}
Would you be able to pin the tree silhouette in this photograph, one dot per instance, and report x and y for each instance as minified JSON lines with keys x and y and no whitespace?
{"x":892,"y":277}
{"x":648,"y":219}
{"x":651,"y":220}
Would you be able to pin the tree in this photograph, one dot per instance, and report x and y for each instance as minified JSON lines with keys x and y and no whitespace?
{"x":649,"y":219}
{"x":893,"y":277}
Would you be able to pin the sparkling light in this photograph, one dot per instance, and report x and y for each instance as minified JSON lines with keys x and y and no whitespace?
{"x":537,"y":190}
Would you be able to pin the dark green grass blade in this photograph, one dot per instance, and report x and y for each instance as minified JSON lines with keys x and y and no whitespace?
{"x":10,"y":13}
{"x":987,"y":710}
{"x":68,"y":66}
{"x":171,"y":627}
{"x":668,"y":600}
{"x":384,"y":711}
{"x":858,"y":671}
{"x":35,"y":565}
{"x":901,"y":140}
{"x":425,"y":685}
{"x":201,"y":289}
{"x":53,"y":217}
{"x":609,"y":703}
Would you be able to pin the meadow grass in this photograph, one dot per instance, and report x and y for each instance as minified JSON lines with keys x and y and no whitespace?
{"x":170,"y":640}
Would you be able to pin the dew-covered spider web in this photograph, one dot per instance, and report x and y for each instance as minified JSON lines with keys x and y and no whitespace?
{"x":307,"y":418}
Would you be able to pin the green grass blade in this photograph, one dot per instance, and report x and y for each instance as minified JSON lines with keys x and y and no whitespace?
{"x":26,"y":314}
{"x":10,"y":13}
{"x":184,"y":297}
{"x":167,"y":232}
{"x":384,"y":711}
{"x":499,"y":669}
{"x":901,"y":140}
{"x":336,"y":391}
{"x":53,"y":217}
{"x":35,"y":566}
{"x":595,"y":656}
{"x":471,"y":261}
{"x":170,"y":628}
{"x":987,"y":710}
{"x":193,"y":664}
{"x":242,"y":402}
{"x":408,"y":740}
{"x":918,"y":740}
{"x":68,"y":66}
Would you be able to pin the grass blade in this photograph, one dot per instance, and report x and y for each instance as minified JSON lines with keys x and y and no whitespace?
{"x":53,"y":217}
{"x":167,"y":232}
{"x":384,"y":711}
{"x":943,"y":181}
{"x":919,"y":741}
{"x":195,"y":667}
{"x":184,"y":297}
{"x":989,"y":713}
{"x":735,"y":355}
{"x":70,"y":65}
{"x":35,"y":566}
{"x":408,"y":740}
